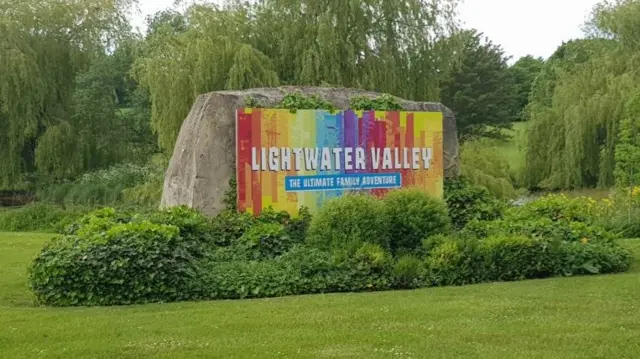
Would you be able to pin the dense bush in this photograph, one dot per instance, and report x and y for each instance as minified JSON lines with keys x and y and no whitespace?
{"x":38,"y":217}
{"x":110,"y":257}
{"x":483,"y":163}
{"x":349,"y":221}
{"x":265,"y":240}
{"x":411,"y":215}
{"x":303,"y":270}
{"x":129,"y":263}
{"x":507,"y":258}
{"x":101,"y":187}
{"x":540,"y":228}
{"x":467,"y":202}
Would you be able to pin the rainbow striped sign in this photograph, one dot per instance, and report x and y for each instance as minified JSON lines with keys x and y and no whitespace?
{"x":287,"y":160}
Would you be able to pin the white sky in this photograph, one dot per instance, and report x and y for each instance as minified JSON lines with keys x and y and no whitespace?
{"x":521,"y":27}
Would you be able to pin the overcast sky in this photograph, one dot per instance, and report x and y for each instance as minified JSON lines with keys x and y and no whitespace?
{"x":521,"y":27}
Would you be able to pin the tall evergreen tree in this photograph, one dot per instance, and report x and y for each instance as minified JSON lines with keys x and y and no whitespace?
{"x":480,"y":89}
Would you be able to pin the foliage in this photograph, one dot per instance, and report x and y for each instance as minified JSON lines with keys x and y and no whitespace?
{"x":467,"y":202}
{"x":480,"y":89}
{"x":384,"y":102}
{"x":408,"y":272}
{"x":524,"y":72}
{"x":193,"y":226}
{"x":347,"y":222}
{"x":302,"y":270}
{"x":228,"y":226}
{"x":579,"y":102}
{"x":118,"y":184}
{"x":130,"y":263}
{"x":507,"y":258}
{"x":627,"y":152}
{"x":389,"y":46}
{"x":484,"y":164}
{"x":38,"y":217}
{"x":52,"y":53}
{"x":265,"y":240}
{"x":413,"y":215}
{"x":297,"y":101}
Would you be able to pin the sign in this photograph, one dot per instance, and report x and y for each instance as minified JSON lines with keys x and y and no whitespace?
{"x":287,"y":160}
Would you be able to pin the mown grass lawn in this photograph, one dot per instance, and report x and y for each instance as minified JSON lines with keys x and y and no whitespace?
{"x":586,"y":317}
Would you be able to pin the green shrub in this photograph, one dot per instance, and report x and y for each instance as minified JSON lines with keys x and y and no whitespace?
{"x":347,"y":222}
{"x":509,"y":258}
{"x":228,"y":226}
{"x":625,"y":224}
{"x":408,"y":272}
{"x":543,"y":228}
{"x":455,"y":262}
{"x":296,"y":227}
{"x":97,"y":222}
{"x":459,"y":261}
{"x":483,"y":163}
{"x":558,"y":208}
{"x":413,"y":215}
{"x":130,"y":263}
{"x":38,"y":217}
{"x":302,"y":270}
{"x":102,"y":187}
{"x":265,"y":240}
{"x":193,"y":225}
{"x":581,"y":258}
{"x":467,"y":202}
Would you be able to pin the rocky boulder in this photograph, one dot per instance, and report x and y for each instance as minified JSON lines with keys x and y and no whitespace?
{"x":203,"y":159}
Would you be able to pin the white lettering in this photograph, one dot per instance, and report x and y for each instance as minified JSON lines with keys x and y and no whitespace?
{"x":255,"y":166}
{"x":406,"y":165}
{"x":415,"y":152}
{"x":426,"y":157}
{"x":273,"y":159}
{"x":387,"y":163}
{"x":311,"y":159}
{"x":325,"y":164}
{"x":298,"y":153}
{"x":336,"y":153}
{"x":360,"y":159}
{"x":396,"y":155}
{"x":285,"y":159}
{"x":348,"y":158}
{"x":375,"y":158}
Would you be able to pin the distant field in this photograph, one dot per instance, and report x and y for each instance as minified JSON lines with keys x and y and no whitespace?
{"x":564,"y":318}
{"x":514,"y":148}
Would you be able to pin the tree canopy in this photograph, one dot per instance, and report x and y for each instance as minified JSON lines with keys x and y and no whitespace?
{"x":383,"y":45}
{"x":45,"y":45}
{"x":480,"y":89}
{"x":579,"y":100}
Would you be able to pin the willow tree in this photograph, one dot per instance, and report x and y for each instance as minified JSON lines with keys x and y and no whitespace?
{"x":44,"y":45}
{"x":578,"y":102}
{"x":390,"y":46}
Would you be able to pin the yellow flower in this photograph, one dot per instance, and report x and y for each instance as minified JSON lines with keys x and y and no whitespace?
{"x":584,"y":240}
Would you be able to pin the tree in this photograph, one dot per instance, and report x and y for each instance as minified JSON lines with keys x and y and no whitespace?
{"x":480,"y":89}
{"x":578,"y":104}
{"x":383,"y":45}
{"x":524,"y":73}
{"x":45,"y":44}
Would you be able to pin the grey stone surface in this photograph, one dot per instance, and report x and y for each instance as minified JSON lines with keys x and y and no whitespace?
{"x":204,"y":155}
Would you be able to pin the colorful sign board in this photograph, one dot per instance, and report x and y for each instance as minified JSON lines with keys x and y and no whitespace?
{"x":287,"y":160}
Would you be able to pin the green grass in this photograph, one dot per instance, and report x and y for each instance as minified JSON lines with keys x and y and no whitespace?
{"x":585,"y":317}
{"x":513,"y":149}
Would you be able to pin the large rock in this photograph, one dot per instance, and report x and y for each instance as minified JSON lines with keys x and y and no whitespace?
{"x":204,"y":156}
